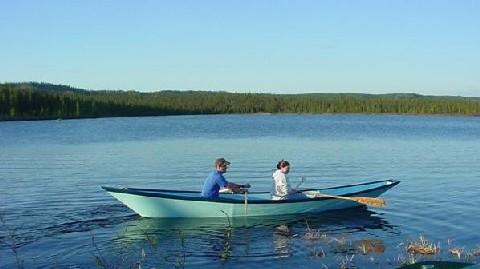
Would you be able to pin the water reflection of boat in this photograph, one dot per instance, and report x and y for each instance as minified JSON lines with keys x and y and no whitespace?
{"x":346,"y":220}
{"x":209,"y":239}
{"x":189,"y":204}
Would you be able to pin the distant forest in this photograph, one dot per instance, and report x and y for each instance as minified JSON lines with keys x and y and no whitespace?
{"x":39,"y":101}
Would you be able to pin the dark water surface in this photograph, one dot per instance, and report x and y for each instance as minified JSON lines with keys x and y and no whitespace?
{"x":55,"y":215}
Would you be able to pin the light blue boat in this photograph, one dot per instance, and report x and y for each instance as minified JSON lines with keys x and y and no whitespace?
{"x":158,"y":203}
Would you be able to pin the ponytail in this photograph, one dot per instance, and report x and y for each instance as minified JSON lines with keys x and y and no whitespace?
{"x":282,"y":163}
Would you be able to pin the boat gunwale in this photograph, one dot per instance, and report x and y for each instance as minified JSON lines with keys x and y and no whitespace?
{"x":159,"y":193}
{"x":310,"y":189}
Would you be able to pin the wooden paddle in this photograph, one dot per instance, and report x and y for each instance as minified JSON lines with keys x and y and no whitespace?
{"x":377,"y":202}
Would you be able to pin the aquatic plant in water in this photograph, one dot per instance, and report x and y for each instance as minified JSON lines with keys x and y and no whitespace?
{"x":366,"y":246}
{"x":10,"y":239}
{"x":314,"y":234}
{"x":423,"y":247}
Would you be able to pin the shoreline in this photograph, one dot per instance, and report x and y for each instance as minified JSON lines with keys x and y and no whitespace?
{"x":241,"y":114}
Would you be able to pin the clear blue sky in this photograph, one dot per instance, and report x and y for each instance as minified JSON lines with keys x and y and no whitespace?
{"x":427,"y":46}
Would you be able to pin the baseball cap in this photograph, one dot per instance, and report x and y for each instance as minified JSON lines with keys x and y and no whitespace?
{"x":221,"y":161}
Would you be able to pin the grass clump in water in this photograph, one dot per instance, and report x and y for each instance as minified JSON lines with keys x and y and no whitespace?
{"x":370,"y":246}
{"x":476,"y":252}
{"x":314,"y":234}
{"x":457,"y":252}
{"x":317,"y":253}
{"x":423,"y":247}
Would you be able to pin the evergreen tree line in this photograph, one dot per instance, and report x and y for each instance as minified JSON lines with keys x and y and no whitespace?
{"x":35,"y":101}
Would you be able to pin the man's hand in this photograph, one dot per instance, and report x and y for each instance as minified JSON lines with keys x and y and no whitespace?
{"x":237,"y":188}
{"x":246,"y":186}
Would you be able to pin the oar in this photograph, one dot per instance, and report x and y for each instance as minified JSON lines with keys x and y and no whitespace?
{"x":302,"y":179}
{"x":377,"y":202}
{"x":244,"y":189}
{"x":246,"y":202}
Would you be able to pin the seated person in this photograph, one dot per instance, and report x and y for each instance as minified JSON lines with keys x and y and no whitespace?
{"x":215,"y":180}
{"x":281,"y":188}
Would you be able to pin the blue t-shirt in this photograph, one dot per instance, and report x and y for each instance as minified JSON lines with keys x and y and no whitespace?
{"x":212,"y":184}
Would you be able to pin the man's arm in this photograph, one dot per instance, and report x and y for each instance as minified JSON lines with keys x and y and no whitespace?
{"x":237,"y":187}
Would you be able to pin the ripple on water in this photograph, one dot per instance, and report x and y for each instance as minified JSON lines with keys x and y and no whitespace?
{"x":51,"y":173}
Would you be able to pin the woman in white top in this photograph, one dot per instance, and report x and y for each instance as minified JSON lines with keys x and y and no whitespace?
{"x":281,"y":186}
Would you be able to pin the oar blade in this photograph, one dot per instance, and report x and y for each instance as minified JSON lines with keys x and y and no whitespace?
{"x":376,"y":202}
{"x":371,"y":201}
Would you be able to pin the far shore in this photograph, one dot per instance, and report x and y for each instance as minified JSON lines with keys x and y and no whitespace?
{"x":233,"y":114}
{"x":42,"y":101}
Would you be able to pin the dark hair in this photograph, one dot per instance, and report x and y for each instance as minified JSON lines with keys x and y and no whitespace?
{"x":282,"y":163}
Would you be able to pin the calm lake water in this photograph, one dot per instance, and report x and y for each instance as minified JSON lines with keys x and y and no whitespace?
{"x":57,"y":216}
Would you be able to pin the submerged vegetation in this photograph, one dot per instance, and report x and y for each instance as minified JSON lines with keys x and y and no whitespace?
{"x":169,"y":248}
{"x":422,"y":246}
{"x":36,"y":101}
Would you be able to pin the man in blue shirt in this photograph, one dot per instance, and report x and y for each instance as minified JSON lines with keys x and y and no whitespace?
{"x":215,"y":180}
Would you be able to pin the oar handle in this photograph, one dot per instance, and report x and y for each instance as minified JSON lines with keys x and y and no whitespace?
{"x":302,"y":179}
{"x":246,"y":201}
